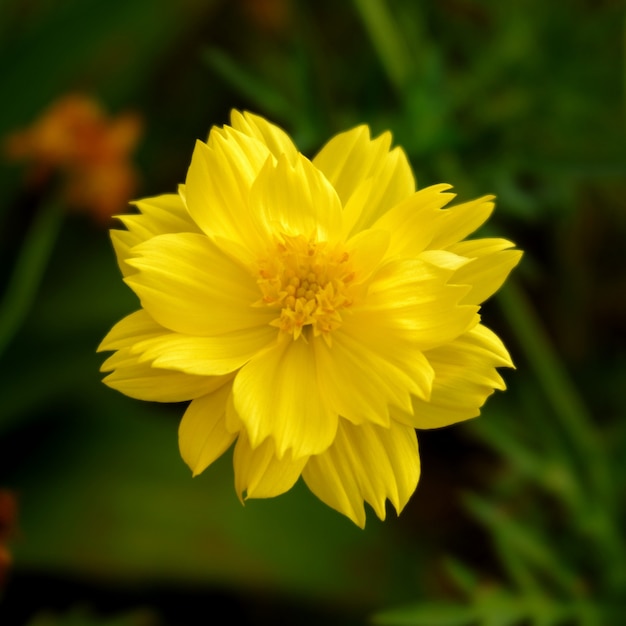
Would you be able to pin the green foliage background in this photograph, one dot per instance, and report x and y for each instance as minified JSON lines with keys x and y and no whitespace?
{"x":519,"y":515}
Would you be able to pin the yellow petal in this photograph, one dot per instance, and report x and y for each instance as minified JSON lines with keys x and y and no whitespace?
{"x":144,"y":382}
{"x":413,"y":222}
{"x":444,"y":259}
{"x":259,"y":473}
{"x":233,"y":421}
{"x":414,"y":297}
{"x":348,"y":158}
{"x":366,"y":250}
{"x":462,"y":220}
{"x":368,"y":176}
{"x":190,"y":286}
{"x":473,"y":248}
{"x":135,"y":376}
{"x":202,"y":434}
{"x":218,"y":185}
{"x":275,"y":138}
{"x":149,"y":342}
{"x":397,"y":348}
{"x":363,"y":374}
{"x":276,"y":395}
{"x":490,"y":264}
{"x":123,"y":241}
{"x":157,"y":215}
{"x":129,"y":330}
{"x":205,"y":356}
{"x":465,"y":376}
{"x":366,"y":463}
{"x":391,"y":184}
{"x":296,"y":199}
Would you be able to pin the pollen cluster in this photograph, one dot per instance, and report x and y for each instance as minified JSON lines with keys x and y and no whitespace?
{"x":308,"y":282}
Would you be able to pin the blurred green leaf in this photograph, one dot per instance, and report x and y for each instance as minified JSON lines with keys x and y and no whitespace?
{"x":492,"y":607}
{"x":461,"y":576}
{"x":525,"y":541}
{"x":250,"y":86}
{"x":387,"y":40}
{"x":28,"y":271}
{"x":427,"y":615}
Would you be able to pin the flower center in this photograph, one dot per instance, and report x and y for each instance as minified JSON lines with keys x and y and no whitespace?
{"x":308,"y":282}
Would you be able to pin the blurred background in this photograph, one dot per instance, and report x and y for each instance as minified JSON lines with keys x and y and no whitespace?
{"x":519,"y":515}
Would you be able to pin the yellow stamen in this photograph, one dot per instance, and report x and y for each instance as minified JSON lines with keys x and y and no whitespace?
{"x":309,"y":282}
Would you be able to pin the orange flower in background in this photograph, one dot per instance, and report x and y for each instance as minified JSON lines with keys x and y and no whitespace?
{"x":8,"y":518}
{"x":91,"y":151}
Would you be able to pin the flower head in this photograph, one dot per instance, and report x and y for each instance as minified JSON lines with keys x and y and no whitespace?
{"x":75,"y":137}
{"x":314,"y":312}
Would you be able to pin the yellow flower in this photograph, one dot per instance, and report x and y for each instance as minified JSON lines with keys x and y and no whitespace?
{"x":314,"y":312}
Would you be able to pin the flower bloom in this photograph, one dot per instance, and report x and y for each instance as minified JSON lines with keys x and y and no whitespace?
{"x":75,"y":137}
{"x":314,"y":312}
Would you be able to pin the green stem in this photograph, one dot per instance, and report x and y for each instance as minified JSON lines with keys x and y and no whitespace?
{"x":29,"y":269}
